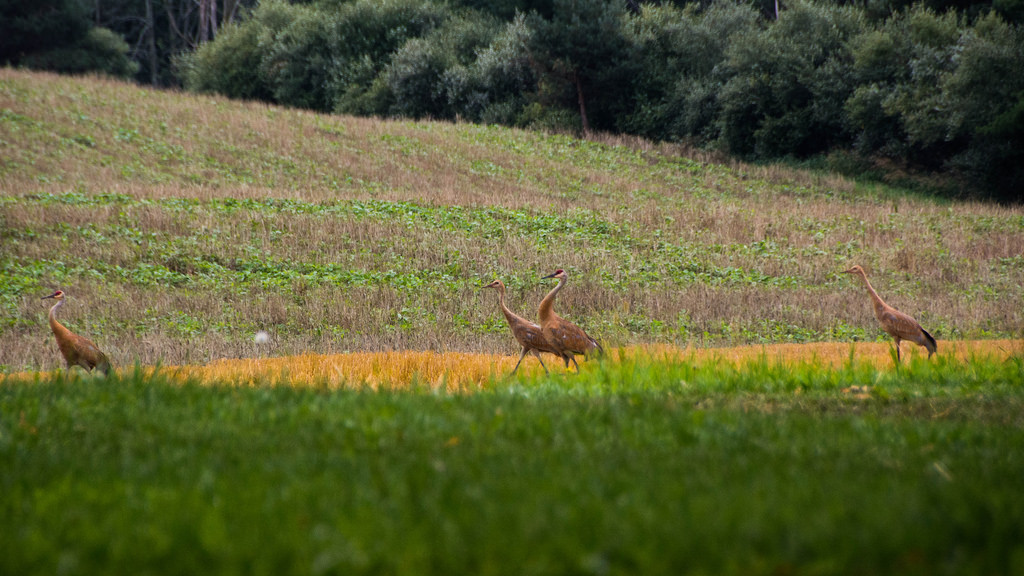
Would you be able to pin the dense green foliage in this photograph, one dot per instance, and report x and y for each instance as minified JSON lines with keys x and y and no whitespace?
{"x":647,"y":467}
{"x":584,"y":59}
{"x":928,"y":89}
{"x":58,"y":35}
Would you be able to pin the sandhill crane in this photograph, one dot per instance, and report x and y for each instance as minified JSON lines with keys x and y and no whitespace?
{"x":526,"y":333}
{"x":897,"y":324}
{"x":566,"y":338}
{"x":77,"y":350}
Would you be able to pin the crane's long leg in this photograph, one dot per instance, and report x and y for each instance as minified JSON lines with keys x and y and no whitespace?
{"x":537,"y":354}
{"x":521,"y":355}
{"x":573,"y":358}
{"x":898,"y":357}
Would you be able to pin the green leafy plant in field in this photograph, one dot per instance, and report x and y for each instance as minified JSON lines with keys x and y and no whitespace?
{"x":185,"y":325}
{"x":13,"y":284}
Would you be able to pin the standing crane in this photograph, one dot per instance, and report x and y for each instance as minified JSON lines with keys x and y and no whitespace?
{"x":566,"y":338}
{"x":526,"y":333}
{"x":897,"y":324}
{"x":77,"y":350}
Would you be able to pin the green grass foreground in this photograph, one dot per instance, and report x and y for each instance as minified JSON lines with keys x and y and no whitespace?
{"x":656,"y":468}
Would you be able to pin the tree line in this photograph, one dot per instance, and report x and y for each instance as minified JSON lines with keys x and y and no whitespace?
{"x":933,"y":86}
{"x":136,"y":39}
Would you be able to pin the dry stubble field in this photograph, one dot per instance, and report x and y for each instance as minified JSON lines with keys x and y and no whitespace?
{"x":180,"y":225}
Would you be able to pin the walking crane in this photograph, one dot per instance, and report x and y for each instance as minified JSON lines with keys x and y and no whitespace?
{"x":527,"y":333}
{"x":895,"y":323}
{"x":566,"y":338}
{"x":77,"y":350}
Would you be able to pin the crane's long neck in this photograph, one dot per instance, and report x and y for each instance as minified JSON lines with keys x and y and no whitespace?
{"x":509,"y":315}
{"x":875,"y":298}
{"x":547,"y":305}
{"x":57,"y":327}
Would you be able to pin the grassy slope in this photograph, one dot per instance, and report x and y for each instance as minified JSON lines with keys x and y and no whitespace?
{"x":180,"y":225}
{"x":183,"y":224}
{"x":632,"y":468}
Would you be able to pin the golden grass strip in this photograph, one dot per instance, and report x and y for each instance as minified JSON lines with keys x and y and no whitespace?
{"x":443,"y":371}
{"x":463,"y":372}
{"x":830,"y":354}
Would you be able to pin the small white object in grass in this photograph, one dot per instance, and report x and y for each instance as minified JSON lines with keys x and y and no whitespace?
{"x":261,"y":337}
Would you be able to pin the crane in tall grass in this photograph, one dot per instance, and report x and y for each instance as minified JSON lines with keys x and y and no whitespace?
{"x":77,"y":350}
{"x":527,"y":333}
{"x":566,"y":338}
{"x":895,"y":323}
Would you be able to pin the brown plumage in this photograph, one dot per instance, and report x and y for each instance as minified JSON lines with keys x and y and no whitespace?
{"x":895,"y":323}
{"x":77,"y":350}
{"x":526,"y":333}
{"x":566,"y":338}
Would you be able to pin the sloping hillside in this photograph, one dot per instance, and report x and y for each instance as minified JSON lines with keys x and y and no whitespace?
{"x":181,"y":225}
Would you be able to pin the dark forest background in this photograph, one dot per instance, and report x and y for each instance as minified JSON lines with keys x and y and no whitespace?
{"x":929,"y":91}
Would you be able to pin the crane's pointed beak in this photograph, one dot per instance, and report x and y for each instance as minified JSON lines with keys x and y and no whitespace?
{"x":50,"y":296}
{"x":552,"y":275}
